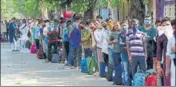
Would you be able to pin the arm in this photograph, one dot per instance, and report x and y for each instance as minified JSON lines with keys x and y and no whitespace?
{"x":97,"y":38}
{"x":128,"y":48}
{"x":70,"y":31}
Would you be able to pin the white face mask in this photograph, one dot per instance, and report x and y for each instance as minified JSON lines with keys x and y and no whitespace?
{"x":168,"y":31}
{"x":160,"y":30}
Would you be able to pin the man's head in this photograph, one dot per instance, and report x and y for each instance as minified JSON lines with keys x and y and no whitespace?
{"x":147,"y":20}
{"x":173,"y":23}
{"x":82,"y":25}
{"x":124,"y":25}
{"x":158,"y":23}
{"x":99,"y":18}
{"x":166,"y":22}
{"x":116,"y":26}
{"x":135,"y":22}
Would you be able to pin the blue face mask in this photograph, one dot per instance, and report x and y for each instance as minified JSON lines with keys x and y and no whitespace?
{"x":124,"y":28}
{"x":147,"y":22}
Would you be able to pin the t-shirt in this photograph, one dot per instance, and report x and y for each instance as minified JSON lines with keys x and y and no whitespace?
{"x":136,"y":44}
{"x":150,"y":41}
{"x":75,"y":38}
{"x":115,"y":47}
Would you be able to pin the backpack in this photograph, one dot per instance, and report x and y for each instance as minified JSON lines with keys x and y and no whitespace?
{"x":139,"y":79}
{"x":55,"y":58}
{"x":102,"y":69}
{"x":92,"y":66}
{"x":84,"y":63}
{"x":109,"y":72}
{"x":40,"y":53}
{"x":28,"y":44}
{"x":33,"y":49}
{"x":117,"y":78}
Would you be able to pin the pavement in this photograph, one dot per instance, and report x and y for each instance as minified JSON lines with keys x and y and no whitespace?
{"x":24,"y":69}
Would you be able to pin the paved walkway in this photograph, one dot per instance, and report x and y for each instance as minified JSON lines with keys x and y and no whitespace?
{"x":24,"y":69}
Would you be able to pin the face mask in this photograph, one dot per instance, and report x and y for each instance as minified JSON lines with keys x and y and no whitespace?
{"x":160,"y":30}
{"x":147,"y":22}
{"x":124,"y":28}
{"x":168,"y":31}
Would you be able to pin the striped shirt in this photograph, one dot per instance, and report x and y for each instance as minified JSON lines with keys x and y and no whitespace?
{"x":136,"y":43}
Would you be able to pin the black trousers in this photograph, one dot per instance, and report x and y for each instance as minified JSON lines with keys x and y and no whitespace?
{"x":66,"y":46}
{"x":50,"y":50}
{"x":37,"y":44}
{"x":149,"y":63}
{"x":106,"y":58}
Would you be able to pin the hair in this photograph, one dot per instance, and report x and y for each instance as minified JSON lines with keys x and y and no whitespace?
{"x":173,"y":22}
{"x":99,"y":17}
{"x":165,"y":19}
{"x":158,"y":21}
{"x":88,"y":22}
{"x":124,"y":21}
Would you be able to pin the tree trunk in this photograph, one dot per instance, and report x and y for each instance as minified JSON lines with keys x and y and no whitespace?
{"x":44,"y":10}
{"x":90,"y":13}
{"x":137,"y":10}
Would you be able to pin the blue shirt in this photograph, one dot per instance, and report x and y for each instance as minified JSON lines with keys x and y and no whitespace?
{"x":75,"y":38}
{"x":65,"y":34}
{"x":36,"y":31}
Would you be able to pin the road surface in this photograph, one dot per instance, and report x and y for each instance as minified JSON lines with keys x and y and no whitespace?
{"x":24,"y":69}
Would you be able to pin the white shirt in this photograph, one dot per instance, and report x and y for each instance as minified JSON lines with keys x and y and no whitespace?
{"x":98,"y":37}
{"x":106,"y":37}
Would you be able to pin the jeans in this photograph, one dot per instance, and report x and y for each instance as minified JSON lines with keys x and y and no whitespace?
{"x":87,"y":52}
{"x":14,"y":44}
{"x":50,"y":49}
{"x":66,"y":46}
{"x":76,"y":56}
{"x":45,"y":47}
{"x":138,"y":61}
{"x":114,"y":58}
{"x":69,"y":56}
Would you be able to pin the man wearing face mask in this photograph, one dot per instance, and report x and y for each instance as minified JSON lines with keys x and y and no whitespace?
{"x":150,"y":30}
{"x":52,"y":39}
{"x":136,"y":48}
{"x":164,"y":34}
{"x":171,"y":56}
{"x":123,"y":51}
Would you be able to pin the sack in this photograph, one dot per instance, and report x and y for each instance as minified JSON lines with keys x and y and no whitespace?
{"x":92,"y":66}
{"x":102,"y":69}
{"x":28,"y":44}
{"x":33,"y":49}
{"x":152,"y":79}
{"x":117,"y":79}
{"x":139,"y":79}
{"x":55,"y":58}
{"x":84,"y":66}
{"x":40,"y":53}
{"x":109,"y":72}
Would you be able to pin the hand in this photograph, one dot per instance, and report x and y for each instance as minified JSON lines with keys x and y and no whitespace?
{"x":174,"y":49}
{"x":167,"y":73}
{"x":130,"y":59}
{"x":110,"y":43}
{"x":160,"y":71}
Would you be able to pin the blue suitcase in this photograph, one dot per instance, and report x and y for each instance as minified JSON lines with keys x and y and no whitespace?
{"x":84,"y":68}
{"x":102,"y":69}
{"x":117,"y":79}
